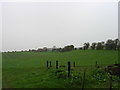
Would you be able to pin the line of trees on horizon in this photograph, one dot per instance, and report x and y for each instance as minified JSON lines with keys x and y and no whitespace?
{"x":108,"y":45}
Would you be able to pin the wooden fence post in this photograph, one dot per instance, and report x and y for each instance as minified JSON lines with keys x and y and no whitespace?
{"x":69,"y":69}
{"x":47,"y":64}
{"x":50,"y":64}
{"x":110,"y":88}
{"x":57,"y":64}
{"x":74,"y":64}
{"x":83,"y":80}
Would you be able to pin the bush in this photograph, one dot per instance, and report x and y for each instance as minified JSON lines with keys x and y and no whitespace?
{"x":100,"y":75}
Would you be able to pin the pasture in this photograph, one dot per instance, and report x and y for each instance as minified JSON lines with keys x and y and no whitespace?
{"x":28,"y":69}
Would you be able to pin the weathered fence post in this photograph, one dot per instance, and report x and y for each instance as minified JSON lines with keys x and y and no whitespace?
{"x":74,"y":64}
{"x":69,"y":69}
{"x":110,"y":88}
{"x":47,"y":64}
{"x":57,"y":64}
{"x":83,"y":80}
{"x":50,"y":64}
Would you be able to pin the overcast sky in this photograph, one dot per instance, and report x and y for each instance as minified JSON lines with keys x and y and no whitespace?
{"x":34,"y":25}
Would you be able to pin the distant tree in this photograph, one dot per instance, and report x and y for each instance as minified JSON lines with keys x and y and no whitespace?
{"x":117,"y":43}
{"x":29,"y":50}
{"x":103,"y":44}
{"x":107,"y":45}
{"x":86,"y":45}
{"x":118,"y":46}
{"x":68,"y":48}
{"x":45,"y":49}
{"x":39,"y":50}
{"x":59,"y":49}
{"x":99,"y":46}
{"x":93,"y":45}
{"x":33,"y":50}
{"x":110,"y":45}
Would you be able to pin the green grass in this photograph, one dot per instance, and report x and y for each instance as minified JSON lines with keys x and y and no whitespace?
{"x":28,"y":69}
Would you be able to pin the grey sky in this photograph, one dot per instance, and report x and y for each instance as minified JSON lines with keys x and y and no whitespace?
{"x":34,"y":25}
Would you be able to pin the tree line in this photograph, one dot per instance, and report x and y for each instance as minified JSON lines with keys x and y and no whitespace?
{"x":108,"y":45}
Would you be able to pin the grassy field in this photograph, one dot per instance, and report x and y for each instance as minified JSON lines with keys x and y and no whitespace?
{"x":28,"y":69}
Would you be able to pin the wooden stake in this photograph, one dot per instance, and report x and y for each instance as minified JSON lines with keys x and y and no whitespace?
{"x":69,"y":69}
{"x":110,"y":88}
{"x":83,"y":82}
{"x":74,"y":64}
{"x":47,"y":64}
{"x":57,"y":64}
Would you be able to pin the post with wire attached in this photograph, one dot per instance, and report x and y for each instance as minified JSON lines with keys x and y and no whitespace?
{"x":83,"y":80}
{"x":50,"y":64}
{"x":74,"y":64}
{"x":47,"y":64}
{"x":68,"y":69}
{"x":110,"y":88}
{"x":57,"y":64}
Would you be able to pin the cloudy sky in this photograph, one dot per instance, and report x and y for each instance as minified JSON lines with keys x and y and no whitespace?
{"x":28,"y":25}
